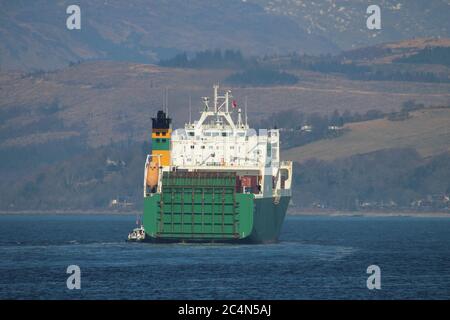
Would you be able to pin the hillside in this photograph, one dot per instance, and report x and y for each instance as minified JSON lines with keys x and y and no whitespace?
{"x":427,"y":131}
{"x":81,"y":132}
{"x":104,"y":102}
{"x":396,"y":178}
{"x":34,"y":34}
{"x":387,"y":53}
{"x":345,"y":21}
{"x":389,"y":180}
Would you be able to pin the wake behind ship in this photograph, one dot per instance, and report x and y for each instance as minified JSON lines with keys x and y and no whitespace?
{"x":215,"y":180}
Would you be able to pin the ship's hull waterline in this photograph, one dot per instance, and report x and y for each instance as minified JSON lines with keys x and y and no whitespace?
{"x":264,"y":219}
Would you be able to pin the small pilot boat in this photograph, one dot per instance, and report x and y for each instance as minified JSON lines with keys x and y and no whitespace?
{"x":138,"y":234}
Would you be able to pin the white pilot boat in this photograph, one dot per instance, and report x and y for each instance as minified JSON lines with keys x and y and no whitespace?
{"x":138,"y":234}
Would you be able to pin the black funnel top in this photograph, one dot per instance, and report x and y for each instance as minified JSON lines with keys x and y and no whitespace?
{"x":161,"y":121}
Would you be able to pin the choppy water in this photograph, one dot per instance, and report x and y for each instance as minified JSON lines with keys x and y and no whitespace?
{"x":316,"y":258}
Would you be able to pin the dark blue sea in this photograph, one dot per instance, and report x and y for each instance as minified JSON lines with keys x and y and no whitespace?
{"x":316,"y":258}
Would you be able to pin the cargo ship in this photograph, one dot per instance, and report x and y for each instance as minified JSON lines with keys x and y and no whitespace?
{"x":216,"y":179}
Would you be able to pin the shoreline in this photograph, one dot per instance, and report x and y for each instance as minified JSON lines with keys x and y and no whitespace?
{"x":336,"y":213}
{"x":318,"y":213}
{"x":70,"y":212}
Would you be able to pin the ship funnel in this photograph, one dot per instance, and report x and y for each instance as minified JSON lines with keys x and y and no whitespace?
{"x":161,"y":136}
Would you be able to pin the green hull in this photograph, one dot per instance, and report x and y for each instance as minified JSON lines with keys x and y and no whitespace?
{"x":268,"y":219}
{"x":262,"y":218}
{"x":260,"y":221}
{"x":207,"y":209}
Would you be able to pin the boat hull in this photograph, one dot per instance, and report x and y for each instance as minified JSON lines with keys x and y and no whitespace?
{"x":259,"y":220}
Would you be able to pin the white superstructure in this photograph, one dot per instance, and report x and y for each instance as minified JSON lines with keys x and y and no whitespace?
{"x":221,"y":140}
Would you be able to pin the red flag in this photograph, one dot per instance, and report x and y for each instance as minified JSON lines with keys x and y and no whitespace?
{"x":234,"y":104}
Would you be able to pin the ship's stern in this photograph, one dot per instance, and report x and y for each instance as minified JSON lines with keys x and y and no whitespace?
{"x":194,"y":206}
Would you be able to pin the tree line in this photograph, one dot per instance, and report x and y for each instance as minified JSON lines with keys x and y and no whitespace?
{"x":261,"y":77}
{"x":394,"y":179}
{"x":271,"y":70}
{"x":214,"y":59}
{"x":429,"y":55}
{"x":353,"y":71}
{"x":300,"y":128}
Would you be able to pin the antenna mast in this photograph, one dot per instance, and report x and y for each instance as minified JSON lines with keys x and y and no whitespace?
{"x":190,"y":109}
{"x":216,"y":103}
{"x":239,"y":118}
{"x":167,"y":101}
{"x":246,"y":119}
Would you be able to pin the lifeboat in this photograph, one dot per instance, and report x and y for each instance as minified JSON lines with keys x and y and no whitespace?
{"x":152,"y":174}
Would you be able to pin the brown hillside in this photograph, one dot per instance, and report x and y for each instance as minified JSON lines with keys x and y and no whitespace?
{"x":427,"y":130}
{"x":109,"y":101}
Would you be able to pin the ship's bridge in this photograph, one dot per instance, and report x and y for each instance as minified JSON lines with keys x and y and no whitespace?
{"x":217,"y":139}
{"x":222,"y":147}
